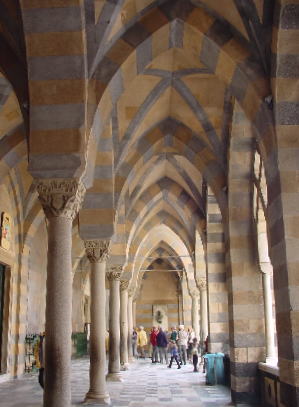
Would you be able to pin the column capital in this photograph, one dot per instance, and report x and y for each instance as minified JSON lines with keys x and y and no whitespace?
{"x":202,"y":283}
{"x":194,"y":293}
{"x":124,"y":284}
{"x":114,"y":272}
{"x":97,"y":251}
{"x":131,"y":292}
{"x":266,"y":268}
{"x":60,"y":197}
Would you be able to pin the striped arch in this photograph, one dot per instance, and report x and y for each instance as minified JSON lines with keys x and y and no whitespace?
{"x":159,"y":218}
{"x":13,"y":143}
{"x":161,"y":209}
{"x":161,"y":249}
{"x":182,"y":142}
{"x":149,"y":240}
{"x":230,"y":60}
{"x":242,"y":253}
{"x":184,"y":177}
{"x":196,"y":15}
{"x":172,"y":193}
{"x":13,"y":149}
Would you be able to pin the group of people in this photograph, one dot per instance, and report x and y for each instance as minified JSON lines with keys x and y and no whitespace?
{"x":181,"y":344}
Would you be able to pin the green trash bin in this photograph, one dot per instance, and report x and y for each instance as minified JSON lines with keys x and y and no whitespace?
{"x":214,"y":368}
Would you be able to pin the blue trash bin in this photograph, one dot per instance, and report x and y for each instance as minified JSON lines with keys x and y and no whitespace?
{"x":219,"y":368}
{"x":214,"y":368}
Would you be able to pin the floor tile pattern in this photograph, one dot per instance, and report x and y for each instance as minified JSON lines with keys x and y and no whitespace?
{"x":144,"y":385}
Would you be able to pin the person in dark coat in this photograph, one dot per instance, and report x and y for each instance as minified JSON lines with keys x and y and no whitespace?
{"x":174,"y":354}
{"x":162,"y":343}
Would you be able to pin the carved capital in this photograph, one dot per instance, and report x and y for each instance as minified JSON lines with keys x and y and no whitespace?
{"x":202,"y":284}
{"x":97,"y":250}
{"x":131,"y":292}
{"x":114,"y":272}
{"x":194,"y":293}
{"x":60,"y":197}
{"x":266,"y":268}
{"x":124,"y":284}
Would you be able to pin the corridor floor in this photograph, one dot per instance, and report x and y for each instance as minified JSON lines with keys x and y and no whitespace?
{"x":144,"y":385}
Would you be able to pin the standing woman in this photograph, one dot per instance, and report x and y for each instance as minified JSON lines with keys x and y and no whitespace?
{"x":141,"y":341}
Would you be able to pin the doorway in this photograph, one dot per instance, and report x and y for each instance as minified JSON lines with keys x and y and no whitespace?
{"x":3,"y":317}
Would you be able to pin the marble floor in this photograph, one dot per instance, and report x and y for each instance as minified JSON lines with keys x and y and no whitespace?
{"x":144,"y":385}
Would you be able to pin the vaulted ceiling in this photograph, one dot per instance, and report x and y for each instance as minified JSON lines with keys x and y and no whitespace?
{"x":159,"y":83}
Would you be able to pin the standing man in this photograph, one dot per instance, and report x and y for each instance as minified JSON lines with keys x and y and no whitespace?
{"x":162,"y":343}
{"x":153,"y":341}
{"x":182,"y":343}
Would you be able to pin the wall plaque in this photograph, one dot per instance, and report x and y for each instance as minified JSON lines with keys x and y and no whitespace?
{"x":6,"y":231}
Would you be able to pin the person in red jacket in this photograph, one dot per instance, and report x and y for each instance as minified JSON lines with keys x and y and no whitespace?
{"x":153,"y":341}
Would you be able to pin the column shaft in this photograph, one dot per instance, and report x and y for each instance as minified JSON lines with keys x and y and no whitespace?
{"x":97,"y":252}
{"x":58,"y":345}
{"x":130,"y":326}
{"x":203,"y":314}
{"x":61,"y":200}
{"x":124,"y":326}
{"x":114,"y":328}
{"x":134,"y":313}
{"x":195,"y":316}
{"x":269,"y":322}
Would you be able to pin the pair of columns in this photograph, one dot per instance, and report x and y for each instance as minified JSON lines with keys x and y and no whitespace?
{"x":97,"y":253}
{"x":119,"y":315}
{"x":61,"y":200}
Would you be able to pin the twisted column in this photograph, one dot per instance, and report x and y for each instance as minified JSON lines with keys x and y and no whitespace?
{"x":61,"y":200}
{"x":114,"y":327}
{"x":195,"y":314}
{"x":124,"y":358}
{"x":97,"y":252}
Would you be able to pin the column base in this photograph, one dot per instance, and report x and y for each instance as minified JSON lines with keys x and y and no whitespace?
{"x":114,"y":377}
{"x":125,"y":366}
{"x":132,"y":359}
{"x":272,"y":360}
{"x":97,"y":398}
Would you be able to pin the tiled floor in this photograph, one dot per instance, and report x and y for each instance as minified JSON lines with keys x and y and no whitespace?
{"x":144,"y":385}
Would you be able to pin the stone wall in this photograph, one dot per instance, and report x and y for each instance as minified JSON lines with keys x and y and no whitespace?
{"x":158,"y":287}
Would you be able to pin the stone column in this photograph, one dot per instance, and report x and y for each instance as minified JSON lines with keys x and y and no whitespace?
{"x":180,"y":301}
{"x":97,"y":253}
{"x":114,"y":324}
{"x":107,"y":306}
{"x":61,"y":201}
{"x":134,"y":312}
{"x":203,"y":310}
{"x":271,"y":356}
{"x":130,"y":324}
{"x":124,"y":358}
{"x":195,"y":313}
